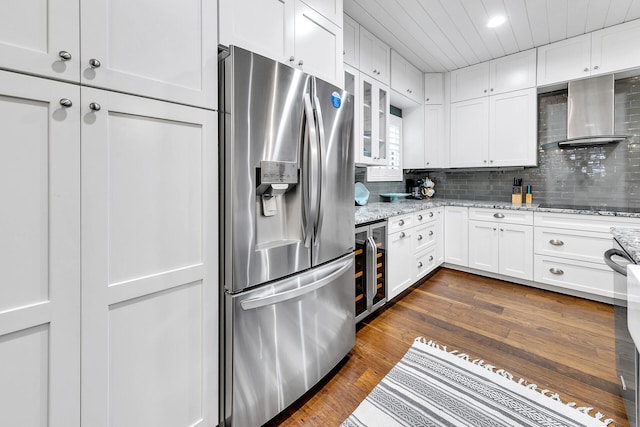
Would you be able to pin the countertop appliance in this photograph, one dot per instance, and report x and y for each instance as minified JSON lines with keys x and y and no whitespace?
{"x":287,"y":224}
{"x":626,"y":350}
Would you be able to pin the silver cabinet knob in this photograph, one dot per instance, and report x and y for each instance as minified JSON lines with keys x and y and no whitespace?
{"x":301,"y":63}
{"x":431,"y":233}
{"x":585,"y":69}
{"x":498,"y":215}
{"x":491,"y":89}
{"x":485,"y":91}
{"x":556,"y":242}
{"x":427,"y":162}
{"x":419,"y":236}
{"x":291,"y":59}
{"x":401,"y":222}
{"x":419,"y":217}
{"x":596,"y":67}
{"x":502,"y":229}
{"x":430,"y":214}
{"x":556,"y":271}
{"x":485,"y":161}
{"x":419,"y":264}
{"x":490,"y":161}
{"x":494,"y":229}
{"x":65,"y":102}
{"x":430,"y":257}
{"x":94,"y":63}
{"x":402,"y":235}
{"x":94,"y":106}
{"x":428,"y":99}
{"x":64,"y":55}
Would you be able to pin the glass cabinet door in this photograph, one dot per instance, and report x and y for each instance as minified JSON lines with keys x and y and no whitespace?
{"x":361,"y":270}
{"x":379,"y":235}
{"x":367,"y":121}
{"x":383,"y":114}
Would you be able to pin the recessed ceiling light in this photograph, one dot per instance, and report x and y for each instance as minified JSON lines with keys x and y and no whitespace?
{"x":495,"y":21}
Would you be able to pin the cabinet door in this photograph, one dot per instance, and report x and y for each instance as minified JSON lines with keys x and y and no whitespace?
{"x":374,"y":56}
{"x":615,"y":48}
{"x":41,"y":37}
{"x":149,"y":262}
{"x":483,"y":246}
{"x":565,"y":60}
{"x":434,"y":88}
{"x":439,"y":236}
{"x":470,"y":82}
{"x":381,"y":55}
{"x":469,"y":145}
{"x":39,"y":252}
{"x":400,"y":271}
{"x":374,"y":119}
{"x":330,"y":9}
{"x":513,"y":139}
{"x":434,"y":138}
{"x":456,"y":235}
{"x":318,"y":45}
{"x":516,"y":251}
{"x":512,"y":72}
{"x":165,"y":50}
{"x":351,"y":40}
{"x":413,"y":141}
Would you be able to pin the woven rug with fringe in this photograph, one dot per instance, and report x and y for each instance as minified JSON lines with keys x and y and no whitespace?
{"x":431,"y":386}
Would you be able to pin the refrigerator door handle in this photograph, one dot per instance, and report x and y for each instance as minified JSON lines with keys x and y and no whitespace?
{"x":310,"y":192}
{"x":371,"y":285}
{"x":321,"y":161}
{"x":258,"y":302}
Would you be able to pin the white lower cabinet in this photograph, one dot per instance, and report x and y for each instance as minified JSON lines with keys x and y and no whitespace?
{"x":501,"y":248}
{"x":149,"y":262}
{"x":399,"y":262}
{"x":456,"y":235}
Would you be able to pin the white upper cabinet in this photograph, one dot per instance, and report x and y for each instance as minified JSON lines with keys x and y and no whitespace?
{"x":605,"y":51}
{"x":330,"y":9}
{"x":469,"y":144}
{"x":351,"y":37}
{"x":167,"y":51}
{"x":434,"y":88}
{"x":317,"y":47}
{"x":512,"y":72}
{"x":374,"y":57}
{"x":406,"y":79}
{"x":434,"y":137}
{"x":41,"y":38}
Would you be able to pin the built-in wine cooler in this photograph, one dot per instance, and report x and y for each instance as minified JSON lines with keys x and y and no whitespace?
{"x":371,"y":263}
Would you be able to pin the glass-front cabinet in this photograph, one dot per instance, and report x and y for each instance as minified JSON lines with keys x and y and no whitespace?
{"x":372,"y":147}
{"x":371,"y":261}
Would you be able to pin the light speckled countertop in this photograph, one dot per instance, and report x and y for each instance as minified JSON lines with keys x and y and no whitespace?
{"x":629,"y":239}
{"x":382,"y":210}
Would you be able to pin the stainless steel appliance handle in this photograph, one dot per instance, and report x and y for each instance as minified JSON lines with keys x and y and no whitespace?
{"x":258,"y":302}
{"x":611,"y":263}
{"x":371,"y":285}
{"x":309,"y":192}
{"x":322,"y":178}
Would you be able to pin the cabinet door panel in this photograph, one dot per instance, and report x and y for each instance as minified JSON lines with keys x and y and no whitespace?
{"x":168,"y":51}
{"x":351,"y":40}
{"x":400,"y":272}
{"x":513,"y":72}
{"x":330,"y":9}
{"x":565,"y":60}
{"x":434,"y":88}
{"x":470,"y":82}
{"x":615,"y":48}
{"x":512,"y":129}
{"x":318,"y":45}
{"x":469,"y":133}
{"x":434,"y":139}
{"x":39,"y":252}
{"x":149,"y":262}
{"x":413,"y":138}
{"x":32,"y":33}
{"x":483,"y":246}
{"x":516,"y":251}
{"x":456,"y":235}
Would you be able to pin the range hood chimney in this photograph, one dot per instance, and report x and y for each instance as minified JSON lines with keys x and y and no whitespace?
{"x":590,"y":114}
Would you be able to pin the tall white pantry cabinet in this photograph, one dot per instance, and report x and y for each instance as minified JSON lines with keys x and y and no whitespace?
{"x":108,"y":232}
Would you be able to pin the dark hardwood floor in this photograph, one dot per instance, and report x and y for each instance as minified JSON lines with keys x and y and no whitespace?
{"x":558,"y":342}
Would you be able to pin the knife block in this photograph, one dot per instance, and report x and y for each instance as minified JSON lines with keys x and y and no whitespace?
{"x":516,"y":196}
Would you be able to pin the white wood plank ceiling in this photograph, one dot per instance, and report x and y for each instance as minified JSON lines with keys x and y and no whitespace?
{"x":443,"y":35}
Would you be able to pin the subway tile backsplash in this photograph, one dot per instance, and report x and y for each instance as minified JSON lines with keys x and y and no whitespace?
{"x":601,"y":175}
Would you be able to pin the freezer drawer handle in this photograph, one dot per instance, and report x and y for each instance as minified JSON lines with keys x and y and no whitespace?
{"x":293,"y":293}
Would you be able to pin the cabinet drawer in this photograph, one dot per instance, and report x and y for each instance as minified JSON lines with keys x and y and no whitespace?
{"x":423,"y":236}
{"x":580,"y":245}
{"x":576,"y":275}
{"x":425,"y":262}
{"x":501,"y":215}
{"x":424,"y":216}
{"x":600,"y":223}
{"x":399,"y":223}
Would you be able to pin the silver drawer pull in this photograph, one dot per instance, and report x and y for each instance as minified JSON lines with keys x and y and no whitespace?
{"x":401,"y":222}
{"x":556,"y":242}
{"x":420,"y":264}
{"x":498,"y":215}
{"x":402,"y":235}
{"x":419,"y":236}
{"x":431,"y":233}
{"x":556,"y":271}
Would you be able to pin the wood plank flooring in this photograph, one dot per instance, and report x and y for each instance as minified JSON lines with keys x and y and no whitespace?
{"x":558,"y":342}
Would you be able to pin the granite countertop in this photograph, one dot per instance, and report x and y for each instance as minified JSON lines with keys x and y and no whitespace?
{"x":629,"y":239}
{"x":382,"y":210}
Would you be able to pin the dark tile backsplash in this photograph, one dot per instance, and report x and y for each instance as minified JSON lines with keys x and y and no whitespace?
{"x":602,"y":175}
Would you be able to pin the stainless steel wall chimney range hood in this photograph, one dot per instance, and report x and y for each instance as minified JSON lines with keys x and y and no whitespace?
{"x":589,"y":114}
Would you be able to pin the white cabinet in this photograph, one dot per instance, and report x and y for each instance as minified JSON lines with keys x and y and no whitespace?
{"x":406,"y":79}
{"x":601,"y":52}
{"x":148,"y":170}
{"x":167,"y":51}
{"x":501,"y":241}
{"x":351,"y":41}
{"x":371,"y":143}
{"x":424,"y":144}
{"x":331,"y":9}
{"x":435,"y":144}
{"x":288,"y":31}
{"x":499,"y":130}
{"x":39,"y":252}
{"x":399,"y":255}
{"x":456,"y":235}
{"x":374,"y":57}
{"x":433,"y":88}
{"x":41,"y":38}
{"x":470,"y":82}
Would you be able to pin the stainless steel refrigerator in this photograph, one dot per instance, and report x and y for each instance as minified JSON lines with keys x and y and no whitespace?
{"x":287,"y":223}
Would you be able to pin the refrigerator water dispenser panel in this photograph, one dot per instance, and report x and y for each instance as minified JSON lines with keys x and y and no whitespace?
{"x":275,"y":179}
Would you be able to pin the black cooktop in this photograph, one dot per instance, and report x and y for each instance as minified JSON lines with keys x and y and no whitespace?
{"x":594,"y":207}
